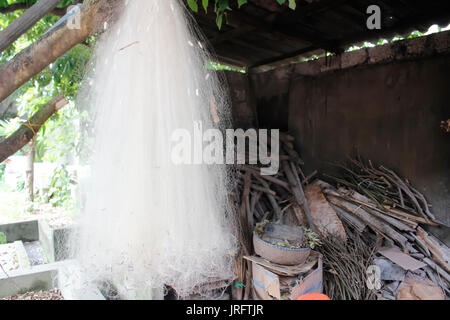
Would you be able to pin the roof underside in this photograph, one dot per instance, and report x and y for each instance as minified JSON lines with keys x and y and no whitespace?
{"x":263,"y":32}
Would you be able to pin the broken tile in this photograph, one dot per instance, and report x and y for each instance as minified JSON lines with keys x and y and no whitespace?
{"x":389,"y":270}
{"x":402,"y":259}
{"x":411,"y":289}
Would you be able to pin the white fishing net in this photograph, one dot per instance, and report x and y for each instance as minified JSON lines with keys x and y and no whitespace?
{"x":147,"y":222}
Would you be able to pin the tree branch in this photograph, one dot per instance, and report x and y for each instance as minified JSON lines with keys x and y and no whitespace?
{"x":28,"y":19}
{"x":28,"y":130}
{"x":50,"y":47}
{"x":23,"y":6}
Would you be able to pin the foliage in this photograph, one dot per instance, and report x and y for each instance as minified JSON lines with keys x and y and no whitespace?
{"x":63,"y":133}
{"x":58,"y":192}
{"x":2,"y":171}
{"x":3,"y":238}
{"x":20,"y":184}
{"x":219,"y":67}
{"x":222,"y":6}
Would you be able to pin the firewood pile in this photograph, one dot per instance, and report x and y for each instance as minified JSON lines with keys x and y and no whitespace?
{"x":260,"y":198}
{"x":410,"y":259}
{"x":368,"y":219}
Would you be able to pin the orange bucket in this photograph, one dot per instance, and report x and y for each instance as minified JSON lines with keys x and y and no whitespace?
{"x":313,"y":296}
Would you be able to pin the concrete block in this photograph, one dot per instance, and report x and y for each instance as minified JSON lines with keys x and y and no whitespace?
{"x":46,"y":277}
{"x":22,"y":256}
{"x":25,"y":231}
{"x":54,"y":241}
{"x":21,"y":281}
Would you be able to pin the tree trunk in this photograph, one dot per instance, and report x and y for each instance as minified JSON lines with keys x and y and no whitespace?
{"x":29,"y":173}
{"x":51,"y":46}
{"x":28,"y":130}
{"x":25,"y":22}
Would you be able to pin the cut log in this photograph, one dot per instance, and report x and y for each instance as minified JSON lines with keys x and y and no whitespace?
{"x":28,"y":130}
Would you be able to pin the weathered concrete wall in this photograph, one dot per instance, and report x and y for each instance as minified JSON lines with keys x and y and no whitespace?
{"x":385,"y":103}
{"x":389,"y":114}
{"x":26,"y":231}
{"x":242,"y":103}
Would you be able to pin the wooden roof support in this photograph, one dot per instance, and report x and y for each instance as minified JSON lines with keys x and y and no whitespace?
{"x":283,"y":57}
{"x":230,"y":35}
{"x":297,"y":33}
{"x":257,"y":48}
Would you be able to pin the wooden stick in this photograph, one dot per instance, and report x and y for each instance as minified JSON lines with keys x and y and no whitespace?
{"x":299,"y":195}
{"x":248,"y":282}
{"x":372,"y":221}
{"x":372,"y":206}
{"x":436,"y":253}
{"x":309,"y":177}
{"x":438,"y":269}
{"x":268,"y":178}
{"x":255,"y":199}
{"x":399,"y":182}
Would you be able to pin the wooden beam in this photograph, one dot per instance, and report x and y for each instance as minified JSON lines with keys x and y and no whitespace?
{"x":230,"y":35}
{"x":234,"y":60}
{"x":28,"y":19}
{"x":256,"y":48}
{"x":283,"y":57}
{"x":280,"y":26}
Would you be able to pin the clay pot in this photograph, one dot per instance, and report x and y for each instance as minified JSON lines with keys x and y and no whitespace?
{"x":278,"y":254}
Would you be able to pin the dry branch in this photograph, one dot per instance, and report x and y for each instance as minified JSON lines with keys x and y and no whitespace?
{"x":299,"y":195}
{"x":375,"y":223}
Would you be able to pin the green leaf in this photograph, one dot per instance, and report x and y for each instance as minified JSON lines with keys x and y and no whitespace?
{"x":193,"y":5}
{"x":241,"y":2}
{"x":205,"y":5}
{"x":219,"y":20}
{"x":281,"y":1}
{"x":292,"y":4}
{"x":222,"y":5}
